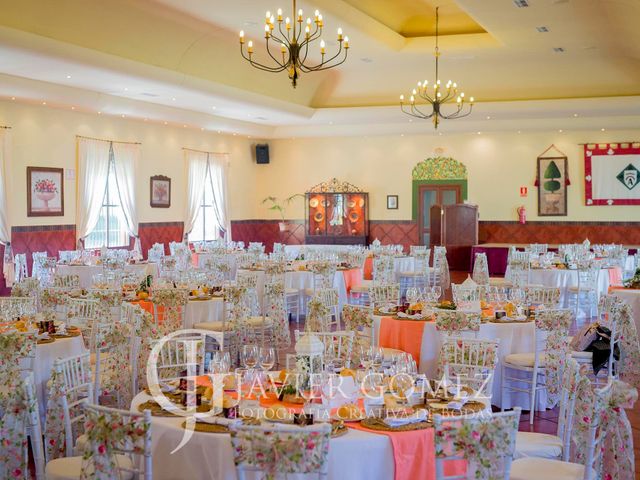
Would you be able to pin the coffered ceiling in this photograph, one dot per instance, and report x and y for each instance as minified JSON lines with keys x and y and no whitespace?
{"x":183,"y":55}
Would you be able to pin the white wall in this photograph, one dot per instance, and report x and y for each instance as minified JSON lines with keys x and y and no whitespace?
{"x":498,"y":164}
{"x":43,"y":136}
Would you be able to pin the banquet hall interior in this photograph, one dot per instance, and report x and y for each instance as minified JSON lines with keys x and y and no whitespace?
{"x":341,"y":239}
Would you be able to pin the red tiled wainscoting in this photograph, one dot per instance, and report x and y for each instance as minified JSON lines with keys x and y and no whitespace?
{"x":268,"y":232}
{"x":626,"y":233}
{"x":42,"y":238}
{"x":159,"y":232}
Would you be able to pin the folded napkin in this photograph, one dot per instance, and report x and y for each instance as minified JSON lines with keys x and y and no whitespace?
{"x":458,"y":401}
{"x":419,"y":416}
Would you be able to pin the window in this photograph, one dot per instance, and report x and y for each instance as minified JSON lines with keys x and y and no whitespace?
{"x":110,"y":231}
{"x":206,"y":226}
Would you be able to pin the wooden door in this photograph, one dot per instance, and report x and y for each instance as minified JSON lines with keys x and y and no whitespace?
{"x":429,"y":195}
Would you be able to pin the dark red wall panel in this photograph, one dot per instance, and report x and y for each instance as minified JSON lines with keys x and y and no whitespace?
{"x":41,"y":238}
{"x":159,"y":232}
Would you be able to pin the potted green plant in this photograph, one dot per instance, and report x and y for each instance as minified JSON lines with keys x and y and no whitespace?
{"x":280,"y":207}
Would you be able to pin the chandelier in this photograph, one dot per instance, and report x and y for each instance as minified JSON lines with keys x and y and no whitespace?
{"x":289,"y":48}
{"x":436,"y":97}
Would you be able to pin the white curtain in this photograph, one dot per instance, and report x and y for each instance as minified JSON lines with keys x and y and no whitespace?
{"x":93,"y":168}
{"x":5,"y":228}
{"x":196,"y":163}
{"x":219,"y":167}
{"x":126,"y":158}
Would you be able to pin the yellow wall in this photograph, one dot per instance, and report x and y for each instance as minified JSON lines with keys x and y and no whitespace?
{"x":43,"y":136}
{"x":498,"y":164}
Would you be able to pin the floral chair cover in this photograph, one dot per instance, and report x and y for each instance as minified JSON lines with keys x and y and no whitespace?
{"x":54,"y":431}
{"x":481,"y":269}
{"x":109,"y":433}
{"x":614,"y":459}
{"x":28,"y":287}
{"x":629,"y":364}
{"x":360,"y":321}
{"x":485,"y":441}
{"x":276,"y":310}
{"x":148,"y":332}
{"x":279,"y":451}
{"x":170,"y":304}
{"x":17,"y":407}
{"x":13,"y":348}
{"x":324,"y":271}
{"x":556,"y":324}
{"x":317,"y":312}
{"x":454,"y":321}
{"x":470,"y":360}
{"x":115,"y":376}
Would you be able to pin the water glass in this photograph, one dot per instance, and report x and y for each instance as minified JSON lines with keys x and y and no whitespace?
{"x":249,"y":356}
{"x":267,"y":358}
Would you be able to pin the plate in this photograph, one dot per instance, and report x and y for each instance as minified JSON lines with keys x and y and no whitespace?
{"x":351,"y":204}
{"x":318,"y":217}
{"x":313,"y":203}
{"x":336,"y":417}
{"x":353,"y":217}
{"x":325,"y":203}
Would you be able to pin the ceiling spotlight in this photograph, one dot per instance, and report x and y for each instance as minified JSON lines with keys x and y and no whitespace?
{"x":68,"y":76}
{"x":479,"y":133}
{"x":602,"y":129}
{"x":560,"y":131}
{"x":213,"y":108}
{"x":73,"y":108}
{"x":122,"y":115}
{"x":99,"y":113}
{"x":44,"y":103}
{"x":126,"y":89}
{"x":173,"y":99}
{"x":488,"y":117}
{"x":13,"y":98}
{"x":575,"y":114}
{"x":542,"y":29}
{"x":558,"y":49}
{"x":165,"y":123}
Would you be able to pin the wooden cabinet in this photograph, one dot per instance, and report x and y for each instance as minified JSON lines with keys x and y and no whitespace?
{"x":455,"y":227}
{"x":337,"y":213}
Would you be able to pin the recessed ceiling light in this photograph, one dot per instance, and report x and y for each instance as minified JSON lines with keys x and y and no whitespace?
{"x":558,"y":49}
{"x":560,"y":131}
{"x":146,"y":119}
{"x":330,"y":123}
{"x":44,"y":103}
{"x":13,"y":98}
{"x":410,"y":120}
{"x":173,"y":99}
{"x":519,"y":131}
{"x":402,"y":134}
{"x":367,"y":60}
{"x":165,"y":123}
{"x":488,"y":117}
{"x":202,"y":129}
{"x":126,"y":89}
{"x":234,"y":134}
{"x":575,"y":114}
{"x":602,"y":129}
{"x":219,"y":131}
{"x":479,"y":133}
{"x":99,"y":113}
{"x":123,"y":115}
{"x":250,"y":24}
{"x":439,"y":133}
{"x":213,"y":108}
{"x":184,"y":126}
{"x":73,"y":108}
{"x":68,"y":76}
{"x":542,"y":29}
{"x":521,"y":3}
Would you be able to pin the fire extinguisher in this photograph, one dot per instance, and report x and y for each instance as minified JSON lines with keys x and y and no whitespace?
{"x":522,"y":214}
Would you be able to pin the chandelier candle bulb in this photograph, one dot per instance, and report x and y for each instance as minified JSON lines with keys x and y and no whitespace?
{"x":267,"y":31}
{"x":241,"y":36}
{"x":322,"y":45}
{"x":250,"y":47}
{"x":346,"y":42}
{"x":288,"y":23}
{"x":279,"y":14}
{"x":300,"y":15}
{"x":339,"y":34}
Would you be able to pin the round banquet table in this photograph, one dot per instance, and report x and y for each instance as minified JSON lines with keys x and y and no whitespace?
{"x":632,"y":297}
{"x":199,"y":311}
{"x":46,"y":354}
{"x":296,"y":250}
{"x":196,"y":311}
{"x":358,"y":455}
{"x":400,"y":264}
{"x":515,"y":337}
{"x":199,"y":259}
{"x":565,"y":278}
{"x":303,"y":279}
{"x":86,"y":272}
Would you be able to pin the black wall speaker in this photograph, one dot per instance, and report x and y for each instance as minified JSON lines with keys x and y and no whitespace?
{"x":262,"y":154}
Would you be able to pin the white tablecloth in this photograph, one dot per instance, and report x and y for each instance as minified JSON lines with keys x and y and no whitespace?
{"x":198,"y":311}
{"x":208,"y":456}
{"x":200,"y":260}
{"x":564,"y":279}
{"x":295,"y":250}
{"x":514,"y":338}
{"x":632,"y":297}
{"x":86,"y":272}
{"x":46,"y":354}
{"x":302,"y":279}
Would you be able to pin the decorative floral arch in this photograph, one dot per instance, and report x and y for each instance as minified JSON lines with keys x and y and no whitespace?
{"x":439,"y":168}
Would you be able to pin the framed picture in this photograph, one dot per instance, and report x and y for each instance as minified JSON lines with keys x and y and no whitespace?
{"x":160,"y":191}
{"x":45,"y":192}
{"x":392,"y":202}
{"x":552,"y":186}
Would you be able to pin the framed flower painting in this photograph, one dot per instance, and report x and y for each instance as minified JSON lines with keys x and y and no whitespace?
{"x":45,"y":192}
{"x":160,"y":191}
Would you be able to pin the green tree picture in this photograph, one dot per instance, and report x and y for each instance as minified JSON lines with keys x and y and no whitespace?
{"x":552,"y":173}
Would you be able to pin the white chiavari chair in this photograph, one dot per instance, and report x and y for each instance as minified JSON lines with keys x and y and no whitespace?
{"x":550,"y":349}
{"x":480,"y":273}
{"x":337,"y":345}
{"x":452,"y":443}
{"x":547,"y":296}
{"x":419,"y":276}
{"x":382,"y":295}
{"x":126,"y":459}
{"x":585,"y":293}
{"x":259,"y":450}
{"x":156,"y":252}
{"x":20,"y":262}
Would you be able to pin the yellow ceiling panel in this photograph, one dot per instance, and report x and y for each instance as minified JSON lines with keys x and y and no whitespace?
{"x":417,"y":18}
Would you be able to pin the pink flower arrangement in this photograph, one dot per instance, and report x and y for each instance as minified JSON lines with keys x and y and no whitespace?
{"x":45,"y":186}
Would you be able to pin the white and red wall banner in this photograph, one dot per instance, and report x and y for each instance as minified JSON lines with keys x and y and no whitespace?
{"x":612,"y":173}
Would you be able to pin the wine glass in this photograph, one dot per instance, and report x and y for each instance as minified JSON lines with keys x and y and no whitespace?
{"x":412,"y":295}
{"x":267,"y":358}
{"x":366,"y":357}
{"x":249,"y":356}
{"x":377,"y":357}
{"x":437,"y":292}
